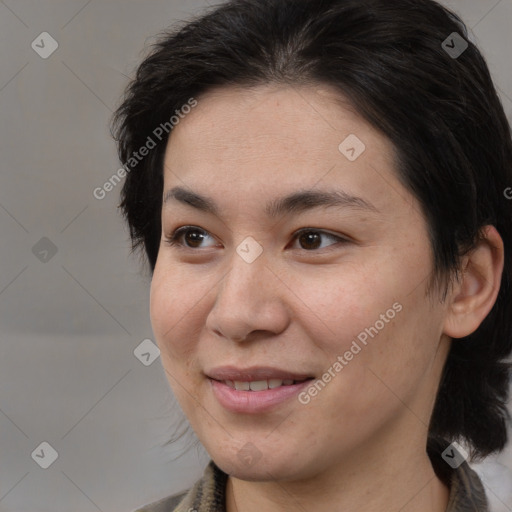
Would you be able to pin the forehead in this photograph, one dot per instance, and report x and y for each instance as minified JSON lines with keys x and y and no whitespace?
{"x":256,"y":142}
{"x":246,"y":116}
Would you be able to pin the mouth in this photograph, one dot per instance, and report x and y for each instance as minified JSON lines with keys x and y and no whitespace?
{"x":261,"y":385}
{"x":255,"y":389}
{"x":255,"y":374}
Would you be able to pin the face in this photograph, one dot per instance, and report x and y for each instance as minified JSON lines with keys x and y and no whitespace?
{"x":332,"y":291}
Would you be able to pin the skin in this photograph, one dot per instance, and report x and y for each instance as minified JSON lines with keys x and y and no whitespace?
{"x":360,"y":443}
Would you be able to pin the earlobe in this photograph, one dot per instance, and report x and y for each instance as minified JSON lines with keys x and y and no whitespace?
{"x":476,"y":291}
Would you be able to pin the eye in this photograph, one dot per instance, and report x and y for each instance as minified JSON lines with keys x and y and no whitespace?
{"x":309,"y":238}
{"x":193,"y":236}
{"x":197,"y":236}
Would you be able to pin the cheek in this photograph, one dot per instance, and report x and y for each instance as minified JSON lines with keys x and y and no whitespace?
{"x":342,"y":302}
{"x":171,"y":310}
{"x":173,"y":303}
{"x":395,"y":360}
{"x":375,"y":314}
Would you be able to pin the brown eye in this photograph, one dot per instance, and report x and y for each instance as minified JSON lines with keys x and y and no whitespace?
{"x":310,"y":239}
{"x":193,"y":237}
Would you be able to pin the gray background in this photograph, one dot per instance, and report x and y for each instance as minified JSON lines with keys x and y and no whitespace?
{"x":70,"y":321}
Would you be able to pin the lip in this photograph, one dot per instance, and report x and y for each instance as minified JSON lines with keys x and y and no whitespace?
{"x":253,"y":402}
{"x":221,"y":373}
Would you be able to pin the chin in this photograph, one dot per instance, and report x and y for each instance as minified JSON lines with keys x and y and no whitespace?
{"x":277,"y":466}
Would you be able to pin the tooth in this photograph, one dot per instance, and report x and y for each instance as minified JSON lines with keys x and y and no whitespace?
{"x":274,"y":383}
{"x":287,"y":382}
{"x":230,"y":383}
{"x":241,"y":386}
{"x":258,"y":385}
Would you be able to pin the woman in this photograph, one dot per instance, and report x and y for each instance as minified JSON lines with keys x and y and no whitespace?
{"x":320,"y":189}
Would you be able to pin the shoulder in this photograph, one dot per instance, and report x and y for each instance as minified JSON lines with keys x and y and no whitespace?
{"x":167,"y":504}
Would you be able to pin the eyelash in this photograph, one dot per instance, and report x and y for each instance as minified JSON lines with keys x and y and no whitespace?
{"x":173,"y":239}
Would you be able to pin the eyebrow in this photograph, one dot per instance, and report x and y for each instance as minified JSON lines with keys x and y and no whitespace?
{"x":297,"y":202}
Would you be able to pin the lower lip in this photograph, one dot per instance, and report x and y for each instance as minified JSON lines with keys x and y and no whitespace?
{"x":254,"y":401}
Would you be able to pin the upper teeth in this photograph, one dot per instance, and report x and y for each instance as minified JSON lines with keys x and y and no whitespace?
{"x":259,"y":385}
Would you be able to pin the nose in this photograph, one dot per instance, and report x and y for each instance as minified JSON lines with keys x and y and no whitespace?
{"x":249,"y":299}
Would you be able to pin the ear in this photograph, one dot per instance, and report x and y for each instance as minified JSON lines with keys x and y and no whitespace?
{"x":474,"y":295}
